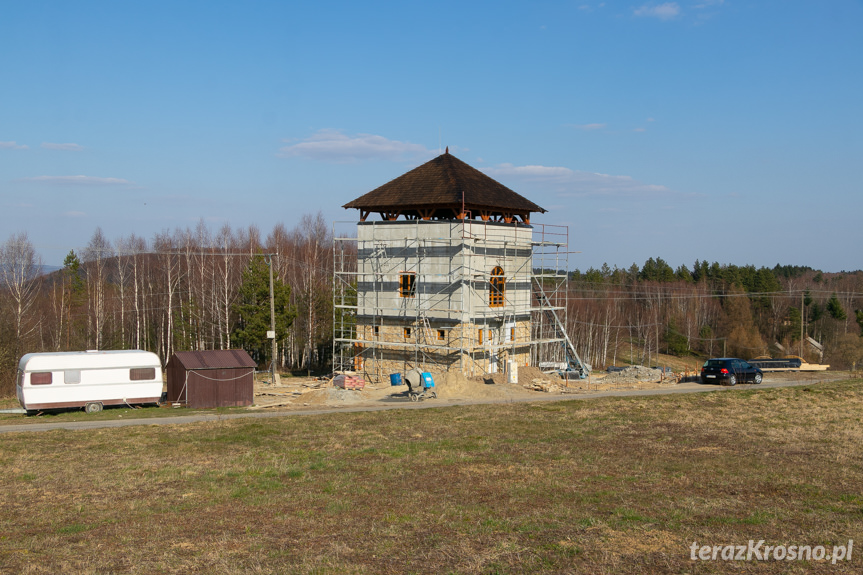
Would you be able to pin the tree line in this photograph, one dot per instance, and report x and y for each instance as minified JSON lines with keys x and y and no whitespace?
{"x":190,"y":289}
{"x":199,"y":288}
{"x":629,"y":315}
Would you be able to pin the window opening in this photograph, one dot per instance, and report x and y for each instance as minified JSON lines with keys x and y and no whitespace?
{"x":496,"y":288}
{"x":40,"y":378}
{"x":142,"y":373}
{"x":72,"y":376}
{"x":407,"y":284}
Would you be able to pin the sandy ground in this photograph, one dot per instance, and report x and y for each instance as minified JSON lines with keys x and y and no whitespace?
{"x":303,"y":393}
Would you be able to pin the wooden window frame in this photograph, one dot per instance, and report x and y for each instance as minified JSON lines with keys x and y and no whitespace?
{"x":407,"y":332}
{"x":496,"y":288}
{"x":407,"y":284}
{"x":441,"y":335}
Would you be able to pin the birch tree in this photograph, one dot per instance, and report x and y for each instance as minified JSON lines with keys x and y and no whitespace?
{"x":20,"y":271}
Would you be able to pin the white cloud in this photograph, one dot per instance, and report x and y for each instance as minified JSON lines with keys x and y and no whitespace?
{"x":535,"y":173}
{"x":334,"y":146}
{"x":567,"y":183}
{"x":62,"y":147}
{"x":588,"y":126}
{"x":12,"y":146}
{"x":709,"y":3}
{"x":639,"y":129}
{"x":665,"y":11}
{"x":79,"y":180}
{"x":589,"y":8}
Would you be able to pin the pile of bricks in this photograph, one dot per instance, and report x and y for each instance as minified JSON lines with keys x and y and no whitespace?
{"x":349,"y":382}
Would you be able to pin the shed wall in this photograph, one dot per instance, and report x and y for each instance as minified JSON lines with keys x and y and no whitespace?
{"x":206,"y":388}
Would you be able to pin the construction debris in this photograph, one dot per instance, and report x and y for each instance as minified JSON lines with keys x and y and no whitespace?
{"x":635,"y":374}
{"x":542,"y":385}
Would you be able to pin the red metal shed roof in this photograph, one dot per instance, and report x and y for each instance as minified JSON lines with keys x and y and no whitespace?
{"x":214,"y":359}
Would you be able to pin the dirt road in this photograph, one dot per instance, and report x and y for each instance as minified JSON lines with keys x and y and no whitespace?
{"x":383,"y":398}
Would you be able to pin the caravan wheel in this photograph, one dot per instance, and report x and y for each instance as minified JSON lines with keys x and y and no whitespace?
{"x":94,"y":407}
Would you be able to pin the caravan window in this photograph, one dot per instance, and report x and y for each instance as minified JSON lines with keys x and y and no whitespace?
{"x":142,"y":373}
{"x":72,"y":376}
{"x":40,"y":378}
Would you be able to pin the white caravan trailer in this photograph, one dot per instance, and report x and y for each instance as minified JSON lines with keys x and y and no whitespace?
{"x":88,"y":379}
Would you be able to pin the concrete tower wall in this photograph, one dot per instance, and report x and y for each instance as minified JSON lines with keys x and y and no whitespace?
{"x":424,"y":292}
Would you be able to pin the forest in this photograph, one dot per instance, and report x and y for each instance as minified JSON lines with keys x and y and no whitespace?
{"x":199,"y":288}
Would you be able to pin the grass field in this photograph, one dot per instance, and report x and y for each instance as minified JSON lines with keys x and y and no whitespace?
{"x":595,"y":486}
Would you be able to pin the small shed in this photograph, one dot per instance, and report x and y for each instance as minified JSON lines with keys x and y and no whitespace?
{"x":214,"y":378}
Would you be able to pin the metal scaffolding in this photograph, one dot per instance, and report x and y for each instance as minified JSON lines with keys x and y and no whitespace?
{"x":453,"y":331}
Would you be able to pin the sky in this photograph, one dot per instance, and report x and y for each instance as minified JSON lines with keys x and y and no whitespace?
{"x":725,"y":130}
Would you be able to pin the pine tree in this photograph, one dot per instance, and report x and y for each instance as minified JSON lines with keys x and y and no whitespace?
{"x":835,"y":309}
{"x":253,"y":309}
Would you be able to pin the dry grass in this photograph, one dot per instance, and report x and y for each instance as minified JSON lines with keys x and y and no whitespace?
{"x":597,"y":486}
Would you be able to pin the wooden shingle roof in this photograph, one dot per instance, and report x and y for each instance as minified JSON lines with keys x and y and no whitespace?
{"x":445,"y":188}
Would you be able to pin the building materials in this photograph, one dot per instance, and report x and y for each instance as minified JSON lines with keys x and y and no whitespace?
{"x":349,"y":382}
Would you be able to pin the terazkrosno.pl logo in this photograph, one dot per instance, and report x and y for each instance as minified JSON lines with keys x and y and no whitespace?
{"x":758,"y":551}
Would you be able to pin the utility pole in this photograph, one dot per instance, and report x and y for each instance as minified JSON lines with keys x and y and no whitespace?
{"x":802,"y":320}
{"x":272,"y":320}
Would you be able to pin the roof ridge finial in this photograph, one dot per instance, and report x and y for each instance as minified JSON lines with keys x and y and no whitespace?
{"x":447,"y":150}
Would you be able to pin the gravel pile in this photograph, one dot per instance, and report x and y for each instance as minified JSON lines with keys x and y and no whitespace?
{"x":633,"y":375}
{"x":339,"y":395}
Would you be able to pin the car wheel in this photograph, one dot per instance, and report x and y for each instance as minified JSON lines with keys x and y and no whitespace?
{"x":757,"y":378}
{"x":732,"y":380}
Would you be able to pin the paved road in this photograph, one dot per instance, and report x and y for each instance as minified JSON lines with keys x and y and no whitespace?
{"x":689,"y":387}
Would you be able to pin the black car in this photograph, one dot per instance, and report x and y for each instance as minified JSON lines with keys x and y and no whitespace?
{"x":729,"y":371}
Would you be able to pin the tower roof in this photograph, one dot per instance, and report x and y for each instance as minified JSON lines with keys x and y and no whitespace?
{"x":445,"y":188}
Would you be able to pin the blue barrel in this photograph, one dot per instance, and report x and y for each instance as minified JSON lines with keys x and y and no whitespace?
{"x":395,"y":379}
{"x":427,"y":380}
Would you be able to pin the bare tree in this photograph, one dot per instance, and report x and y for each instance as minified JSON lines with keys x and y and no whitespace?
{"x":20,"y":270}
{"x":96,"y":256}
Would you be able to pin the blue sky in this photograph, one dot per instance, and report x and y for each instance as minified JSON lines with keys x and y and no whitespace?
{"x":706,"y":129}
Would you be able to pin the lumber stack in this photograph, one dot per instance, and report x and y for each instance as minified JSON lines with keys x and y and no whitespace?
{"x":349,"y":382}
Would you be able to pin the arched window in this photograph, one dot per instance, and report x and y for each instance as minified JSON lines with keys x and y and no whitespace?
{"x":496,"y":287}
